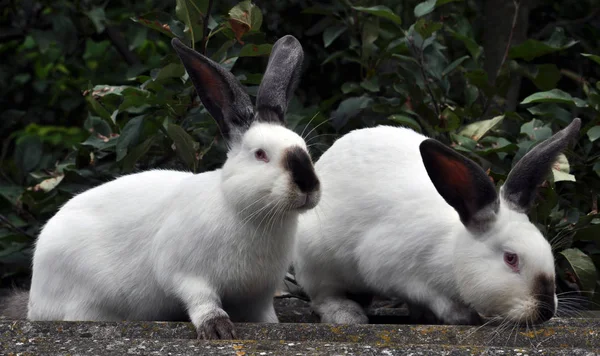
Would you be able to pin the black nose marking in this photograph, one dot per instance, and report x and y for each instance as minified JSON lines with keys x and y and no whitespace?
{"x":297,"y":161}
{"x":543,"y":290}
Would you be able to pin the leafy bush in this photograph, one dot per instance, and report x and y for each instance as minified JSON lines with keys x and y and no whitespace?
{"x":419,"y":65}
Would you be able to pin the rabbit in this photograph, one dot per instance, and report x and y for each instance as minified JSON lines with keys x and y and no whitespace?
{"x":168,"y":245}
{"x":402,"y":215}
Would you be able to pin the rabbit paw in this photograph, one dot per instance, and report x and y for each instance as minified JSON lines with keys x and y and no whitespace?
{"x":464,"y":317}
{"x":217,"y":328}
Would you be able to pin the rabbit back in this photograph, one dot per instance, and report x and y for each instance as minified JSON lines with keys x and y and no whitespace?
{"x":98,"y":247}
{"x":381,"y":167}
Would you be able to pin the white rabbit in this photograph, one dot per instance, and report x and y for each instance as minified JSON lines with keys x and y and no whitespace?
{"x":404,"y":216}
{"x":166,"y":245}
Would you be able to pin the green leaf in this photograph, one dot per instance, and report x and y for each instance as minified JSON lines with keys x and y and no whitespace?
{"x":552,"y":110}
{"x":99,"y":109}
{"x":11,"y":192}
{"x":443,"y":2}
{"x":331,"y":33}
{"x":479,"y":79}
{"x":347,"y":109}
{"x":100,"y":143}
{"x":471,"y":93}
{"x":547,"y":76}
{"x":171,"y":70}
{"x":130,"y":136}
{"x":453,"y":65}
{"x":369,"y":35}
{"x":424,"y":8}
{"x":49,"y":184}
{"x":28,"y":153}
{"x":449,"y":121}
{"x":192,"y":16}
{"x":561,"y":169}
{"x":593,"y":57}
{"x":596,"y":169}
{"x":594,"y":133}
{"x":591,"y":232}
{"x":381,"y":11}
{"x":349,"y":87}
{"x":135,"y":154}
{"x":98,"y":17}
{"x":531,"y":48}
{"x":405,"y":121}
{"x":478,"y":129}
{"x":427,"y":28}
{"x":251,"y":50}
{"x":371,"y":85}
{"x":554,"y":96}
{"x":464,"y":143}
{"x":536,"y":130}
{"x":245,"y":17}
{"x":184,"y":145}
{"x":583,"y":266}
{"x":498,"y":145}
{"x":161,"y":22}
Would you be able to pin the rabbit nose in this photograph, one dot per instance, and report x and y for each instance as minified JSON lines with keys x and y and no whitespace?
{"x":298,"y":163}
{"x":544,"y":292}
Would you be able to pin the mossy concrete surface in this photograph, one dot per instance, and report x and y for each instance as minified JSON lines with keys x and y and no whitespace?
{"x":570,"y":336}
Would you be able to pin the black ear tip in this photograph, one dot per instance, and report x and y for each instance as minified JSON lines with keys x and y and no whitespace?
{"x":429,"y":145}
{"x":289,"y":41}
{"x":288,"y":45}
{"x":576,"y":124}
{"x":571,"y":132}
{"x":177,"y":44}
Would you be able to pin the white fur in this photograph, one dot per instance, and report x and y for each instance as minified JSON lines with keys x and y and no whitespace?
{"x":163,"y":245}
{"x":381,"y":227}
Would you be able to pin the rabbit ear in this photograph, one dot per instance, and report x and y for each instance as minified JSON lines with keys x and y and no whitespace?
{"x":531,"y":170}
{"x":280,"y":79}
{"x":221,"y":93}
{"x":462,"y":183}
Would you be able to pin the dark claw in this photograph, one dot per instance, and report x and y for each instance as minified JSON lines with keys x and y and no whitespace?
{"x":475,"y":318}
{"x":217,"y":328}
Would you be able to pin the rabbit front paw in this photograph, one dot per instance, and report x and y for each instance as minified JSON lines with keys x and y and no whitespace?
{"x":463,"y":316}
{"x":219,"y":327}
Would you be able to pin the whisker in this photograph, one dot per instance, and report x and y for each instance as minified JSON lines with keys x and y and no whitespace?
{"x":314,"y":128}
{"x":307,"y":125}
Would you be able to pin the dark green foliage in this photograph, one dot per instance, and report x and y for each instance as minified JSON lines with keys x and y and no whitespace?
{"x":90,"y":91}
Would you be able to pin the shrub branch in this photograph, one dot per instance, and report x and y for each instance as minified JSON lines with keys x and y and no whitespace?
{"x":510,"y":35}
{"x":205,"y":31}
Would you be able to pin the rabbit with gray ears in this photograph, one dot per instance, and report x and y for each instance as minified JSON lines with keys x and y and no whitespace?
{"x":167,"y":245}
{"x":402,"y":215}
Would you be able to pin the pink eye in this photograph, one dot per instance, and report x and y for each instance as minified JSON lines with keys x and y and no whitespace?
{"x":261,"y":155}
{"x":511,"y":259}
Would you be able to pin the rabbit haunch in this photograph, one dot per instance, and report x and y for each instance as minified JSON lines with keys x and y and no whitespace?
{"x":167,"y":245}
{"x":404,"y":216}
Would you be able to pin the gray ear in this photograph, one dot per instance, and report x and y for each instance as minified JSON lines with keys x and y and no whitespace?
{"x":280,"y":79}
{"x":522,"y":182}
{"x":220,"y":92}
{"x":462,"y":184}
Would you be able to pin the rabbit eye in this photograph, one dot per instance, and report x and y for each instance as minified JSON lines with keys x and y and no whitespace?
{"x":261,"y":155}
{"x":511,"y":259}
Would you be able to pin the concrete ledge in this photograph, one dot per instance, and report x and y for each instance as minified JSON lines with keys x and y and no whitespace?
{"x":298,"y":334}
{"x":242,"y":348}
{"x":286,"y":339}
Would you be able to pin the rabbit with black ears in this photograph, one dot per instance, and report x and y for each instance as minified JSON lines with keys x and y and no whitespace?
{"x":404,"y":216}
{"x":167,"y":245}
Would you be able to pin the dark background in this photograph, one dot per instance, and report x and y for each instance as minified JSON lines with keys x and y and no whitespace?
{"x":91,"y":90}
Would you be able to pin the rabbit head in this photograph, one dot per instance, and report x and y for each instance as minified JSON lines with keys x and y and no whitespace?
{"x":268,"y":167}
{"x":503,"y":265}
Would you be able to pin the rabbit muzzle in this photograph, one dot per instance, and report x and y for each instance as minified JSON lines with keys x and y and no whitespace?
{"x":304,"y":179}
